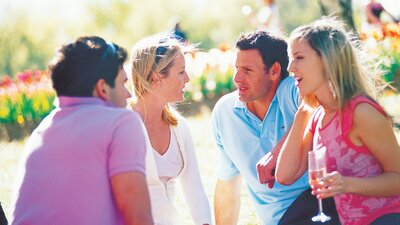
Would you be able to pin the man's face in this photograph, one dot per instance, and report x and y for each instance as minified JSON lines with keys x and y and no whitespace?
{"x":252,"y":79}
{"x":119,"y":93}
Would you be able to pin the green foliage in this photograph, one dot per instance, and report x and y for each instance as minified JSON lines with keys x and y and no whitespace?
{"x":392,"y":66}
{"x":384,"y":42}
{"x":21,"y":47}
{"x":211,"y":84}
{"x":211,"y":74}
{"x":29,"y":39}
{"x":296,"y":13}
{"x":204,"y":21}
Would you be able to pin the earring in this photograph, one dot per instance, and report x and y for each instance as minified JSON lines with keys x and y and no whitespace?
{"x":332,"y":89}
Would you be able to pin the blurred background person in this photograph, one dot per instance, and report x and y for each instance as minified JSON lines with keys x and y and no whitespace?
{"x":177,"y":31}
{"x":267,"y":17}
{"x":373,"y":12}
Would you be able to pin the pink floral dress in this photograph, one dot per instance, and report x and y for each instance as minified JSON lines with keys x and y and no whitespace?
{"x":350,"y":160}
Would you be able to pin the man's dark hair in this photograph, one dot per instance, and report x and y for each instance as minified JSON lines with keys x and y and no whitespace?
{"x":81,"y":64}
{"x":271,"y":47}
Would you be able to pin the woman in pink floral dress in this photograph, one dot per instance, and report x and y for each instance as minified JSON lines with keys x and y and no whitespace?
{"x":339,"y":112}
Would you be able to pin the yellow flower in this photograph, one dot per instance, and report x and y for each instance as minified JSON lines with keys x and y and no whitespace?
{"x":20,"y":119}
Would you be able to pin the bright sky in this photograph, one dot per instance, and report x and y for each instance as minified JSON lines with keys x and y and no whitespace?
{"x":45,"y":9}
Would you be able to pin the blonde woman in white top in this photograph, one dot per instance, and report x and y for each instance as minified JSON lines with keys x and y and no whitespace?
{"x":159,"y":77}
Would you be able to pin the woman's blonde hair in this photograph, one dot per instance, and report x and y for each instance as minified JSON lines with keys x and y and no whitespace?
{"x":151,"y":55}
{"x":347,"y":68}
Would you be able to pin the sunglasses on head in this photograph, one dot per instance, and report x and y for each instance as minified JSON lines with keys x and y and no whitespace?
{"x":161,"y":49}
{"x":110,"y":50}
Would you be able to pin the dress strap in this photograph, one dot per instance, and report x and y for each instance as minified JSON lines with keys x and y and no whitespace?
{"x":347,"y":117}
{"x":315,"y":117}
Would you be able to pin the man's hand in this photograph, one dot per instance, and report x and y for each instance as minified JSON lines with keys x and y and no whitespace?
{"x":266,"y":168}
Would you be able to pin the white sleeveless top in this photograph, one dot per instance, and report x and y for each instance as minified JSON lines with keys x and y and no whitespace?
{"x":171,"y":162}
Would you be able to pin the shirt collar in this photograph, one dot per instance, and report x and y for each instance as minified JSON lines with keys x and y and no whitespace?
{"x":241,"y":105}
{"x":65,"y":101}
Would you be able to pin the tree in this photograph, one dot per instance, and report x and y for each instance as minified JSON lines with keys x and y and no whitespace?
{"x":346,"y":11}
{"x":344,"y":7}
{"x":21,"y":48}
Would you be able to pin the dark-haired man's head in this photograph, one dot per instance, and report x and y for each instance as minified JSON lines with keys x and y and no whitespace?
{"x":88,"y":67}
{"x":272,"y":48}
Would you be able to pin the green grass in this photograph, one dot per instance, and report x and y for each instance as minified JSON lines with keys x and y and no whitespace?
{"x":206,"y":154}
{"x":10,"y":154}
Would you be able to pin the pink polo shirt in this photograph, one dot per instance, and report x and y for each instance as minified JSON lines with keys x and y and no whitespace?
{"x":70,"y":158}
{"x":353,"y":161}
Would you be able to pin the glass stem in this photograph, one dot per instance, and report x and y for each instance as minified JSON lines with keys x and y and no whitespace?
{"x":320,"y":206}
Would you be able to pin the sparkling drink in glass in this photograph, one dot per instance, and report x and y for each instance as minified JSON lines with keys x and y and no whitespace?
{"x":317,"y":170}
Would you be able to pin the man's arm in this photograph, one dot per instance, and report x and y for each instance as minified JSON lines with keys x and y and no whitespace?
{"x":132,"y":198}
{"x":267,"y":164}
{"x":227,"y":201}
{"x":289,"y":103}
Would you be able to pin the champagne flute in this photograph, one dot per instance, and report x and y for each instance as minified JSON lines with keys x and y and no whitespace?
{"x":317,"y":170}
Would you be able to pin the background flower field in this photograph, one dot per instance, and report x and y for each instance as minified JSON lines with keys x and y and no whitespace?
{"x":28,"y":97}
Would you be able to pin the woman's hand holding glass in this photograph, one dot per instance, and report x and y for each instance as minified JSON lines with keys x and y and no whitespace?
{"x":317,"y":172}
{"x":329,"y":185}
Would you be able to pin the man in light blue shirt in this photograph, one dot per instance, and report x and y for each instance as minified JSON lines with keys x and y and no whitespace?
{"x":249,"y":124}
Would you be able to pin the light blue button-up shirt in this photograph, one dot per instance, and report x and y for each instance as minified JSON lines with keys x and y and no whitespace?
{"x":243,"y":139}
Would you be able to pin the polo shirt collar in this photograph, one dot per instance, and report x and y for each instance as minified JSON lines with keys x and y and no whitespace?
{"x":65,"y":101}
{"x":241,"y":105}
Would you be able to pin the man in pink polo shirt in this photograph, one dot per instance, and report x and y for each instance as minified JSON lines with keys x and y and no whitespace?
{"x":84,"y":163}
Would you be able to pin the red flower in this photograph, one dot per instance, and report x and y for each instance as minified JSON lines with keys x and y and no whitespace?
{"x":5,"y":81}
{"x":26,"y":77}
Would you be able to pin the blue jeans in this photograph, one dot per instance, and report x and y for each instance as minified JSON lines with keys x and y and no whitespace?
{"x":388,"y":219}
{"x":305,"y":207}
{"x":3,"y":220}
